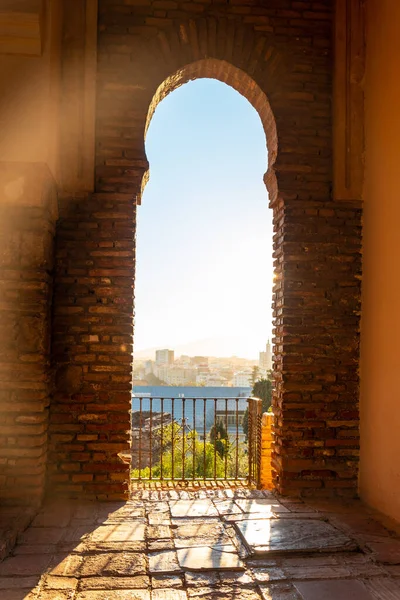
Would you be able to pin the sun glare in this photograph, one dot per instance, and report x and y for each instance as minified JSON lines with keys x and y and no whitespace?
{"x":204,"y":258}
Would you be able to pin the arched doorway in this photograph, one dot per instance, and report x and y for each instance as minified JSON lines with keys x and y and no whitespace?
{"x":230,"y":228}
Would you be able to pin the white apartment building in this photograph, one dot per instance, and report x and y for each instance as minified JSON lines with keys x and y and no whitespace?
{"x":164,"y":357}
{"x":242,"y":379}
{"x":176,"y":375}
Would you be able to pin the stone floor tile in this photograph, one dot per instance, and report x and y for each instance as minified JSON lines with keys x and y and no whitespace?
{"x":289,"y":535}
{"x":114,"y":564}
{"x":370,"y":569}
{"x":236,"y":578}
{"x":107,"y":508}
{"x":24,"y":565}
{"x":333,"y":590}
{"x":42,"y":535}
{"x":227,"y":507}
{"x":363,"y":523}
{"x":336,"y":506}
{"x":204,"y":558}
{"x":168,"y":594}
{"x":128,"y":546}
{"x":229,"y":493}
{"x":78,"y":533}
{"x":383,"y":589}
{"x":140,"y":582}
{"x":387,"y":552}
{"x":103,"y":552}
{"x":297,"y":515}
{"x":119,"y":532}
{"x":193,"y":508}
{"x":32,"y":549}
{"x":159,"y":518}
{"x":56,"y":595}
{"x":184,"y":495}
{"x":268,"y":574}
{"x":298,"y":507}
{"x":281,"y":591}
{"x":200,"y":534}
{"x":51,"y":582}
{"x":223,"y":593}
{"x":21,"y":595}
{"x":121,"y":518}
{"x":136,"y":515}
{"x":244,"y":517}
{"x":321,"y":560}
{"x":237,"y":541}
{"x":392,"y":570}
{"x":156,"y":545}
{"x":158,"y":532}
{"x":58,"y":515}
{"x":65,"y":565}
{"x":84,"y":510}
{"x":163,"y":562}
{"x":206,"y":579}
{"x":114,"y":595}
{"x":7,"y":583}
{"x":166,"y":581}
{"x":247,"y":493}
{"x":260,"y":505}
{"x":173,"y":495}
{"x":300,"y":573}
{"x":161,"y":507}
{"x":155,"y":495}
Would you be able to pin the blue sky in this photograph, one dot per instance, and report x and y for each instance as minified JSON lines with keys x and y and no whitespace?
{"x":204,"y":235}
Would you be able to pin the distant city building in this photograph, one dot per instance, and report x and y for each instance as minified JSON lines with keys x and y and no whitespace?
{"x":161,"y":371}
{"x":197,"y":370}
{"x":265,"y":360}
{"x":201,"y":378}
{"x":184,"y":361}
{"x":216,"y":381}
{"x":242,"y":379}
{"x":180,"y":377}
{"x":164,"y":357}
{"x":200,"y":361}
{"x":148,"y":367}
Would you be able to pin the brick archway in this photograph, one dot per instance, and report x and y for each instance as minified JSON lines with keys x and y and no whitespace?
{"x":241,"y":82}
{"x":317,"y":242}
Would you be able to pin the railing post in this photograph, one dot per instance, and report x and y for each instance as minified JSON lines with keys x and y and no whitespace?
{"x":266,"y":451}
{"x":254,"y":440}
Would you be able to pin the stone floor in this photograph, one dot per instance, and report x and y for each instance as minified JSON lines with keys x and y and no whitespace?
{"x":217,"y":544}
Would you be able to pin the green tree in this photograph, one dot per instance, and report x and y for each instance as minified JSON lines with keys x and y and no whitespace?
{"x":255,"y":374}
{"x":219,"y":438}
{"x":184,"y":456}
{"x":261,"y":389}
{"x":153,"y":380}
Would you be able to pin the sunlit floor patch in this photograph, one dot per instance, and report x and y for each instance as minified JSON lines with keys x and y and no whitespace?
{"x":272,"y":536}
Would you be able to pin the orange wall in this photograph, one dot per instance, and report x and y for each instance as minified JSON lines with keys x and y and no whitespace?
{"x":23,"y":108}
{"x":380,"y":339}
{"x":28,"y":100}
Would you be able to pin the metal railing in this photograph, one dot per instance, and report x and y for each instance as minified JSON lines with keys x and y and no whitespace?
{"x":196,"y":439}
{"x":254,"y":426}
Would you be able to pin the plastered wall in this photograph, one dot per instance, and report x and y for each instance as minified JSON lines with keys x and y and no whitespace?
{"x":29,"y":98}
{"x":380,"y":350}
{"x":23,"y":107}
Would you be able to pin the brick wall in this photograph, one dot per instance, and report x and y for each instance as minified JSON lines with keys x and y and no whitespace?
{"x":283,"y":47}
{"x":266,"y":480}
{"x":317,"y":307}
{"x":27,"y":223}
{"x":92,"y":346}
